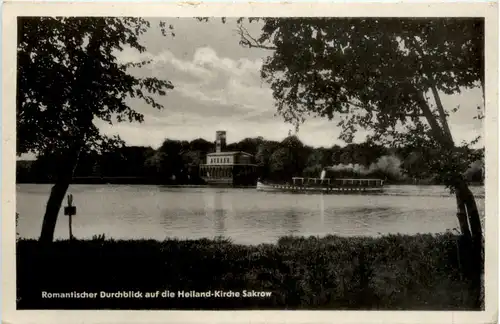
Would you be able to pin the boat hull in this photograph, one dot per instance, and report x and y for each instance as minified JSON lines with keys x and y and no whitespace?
{"x":324,"y":189}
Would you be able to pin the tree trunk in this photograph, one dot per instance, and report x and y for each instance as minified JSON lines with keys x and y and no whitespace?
{"x":57,"y":196}
{"x":462,"y":218}
{"x":467,"y":198}
{"x":473,"y":250}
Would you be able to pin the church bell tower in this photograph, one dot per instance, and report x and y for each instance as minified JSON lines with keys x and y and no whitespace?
{"x":220,"y":141}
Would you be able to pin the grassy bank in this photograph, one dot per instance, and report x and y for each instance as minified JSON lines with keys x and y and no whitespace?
{"x":391,"y":272}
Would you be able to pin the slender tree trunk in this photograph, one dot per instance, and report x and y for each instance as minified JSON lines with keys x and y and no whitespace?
{"x":57,"y":194}
{"x":52,"y":210}
{"x":462,"y":218}
{"x":466,"y":196}
{"x":473,"y":250}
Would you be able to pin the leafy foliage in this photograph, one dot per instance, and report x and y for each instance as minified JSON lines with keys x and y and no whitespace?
{"x":381,"y":74}
{"x":69,"y":76}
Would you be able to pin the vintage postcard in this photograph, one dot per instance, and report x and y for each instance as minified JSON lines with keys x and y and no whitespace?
{"x":257,"y":158}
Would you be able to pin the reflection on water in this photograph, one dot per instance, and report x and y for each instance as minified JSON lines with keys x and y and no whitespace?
{"x":291,"y":222}
{"x":220,"y":213}
{"x":322,"y":209}
{"x":244,"y":215}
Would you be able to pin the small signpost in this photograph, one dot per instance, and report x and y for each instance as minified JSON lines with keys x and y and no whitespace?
{"x":70,"y":210}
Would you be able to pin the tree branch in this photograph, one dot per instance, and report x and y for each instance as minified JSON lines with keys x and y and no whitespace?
{"x":431,"y":119}
{"x":432,"y":86}
{"x":442,"y":114}
{"x":367,"y":108}
{"x":378,"y":111}
{"x":249,"y":41}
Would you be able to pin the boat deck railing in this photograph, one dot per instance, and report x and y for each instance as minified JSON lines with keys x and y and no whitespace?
{"x":300,"y":181}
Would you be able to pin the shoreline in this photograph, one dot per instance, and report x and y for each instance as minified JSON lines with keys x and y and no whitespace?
{"x":103,"y":237}
{"x":218,"y":186}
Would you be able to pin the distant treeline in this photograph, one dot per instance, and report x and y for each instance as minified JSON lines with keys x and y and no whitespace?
{"x":177,"y":162}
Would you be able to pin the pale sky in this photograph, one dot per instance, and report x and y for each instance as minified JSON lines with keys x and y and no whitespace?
{"x":218,"y":87}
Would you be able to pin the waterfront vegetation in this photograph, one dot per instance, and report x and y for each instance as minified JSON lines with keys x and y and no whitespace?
{"x":395,"y":272}
{"x":177,"y":162}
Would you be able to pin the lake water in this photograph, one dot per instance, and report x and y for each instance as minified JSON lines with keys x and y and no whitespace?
{"x":244,"y":215}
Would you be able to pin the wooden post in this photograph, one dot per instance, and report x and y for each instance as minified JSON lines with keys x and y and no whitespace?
{"x":69,"y":225}
{"x":70,"y":210}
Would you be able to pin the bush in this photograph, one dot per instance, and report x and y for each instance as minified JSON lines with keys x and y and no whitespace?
{"x":420,"y":272}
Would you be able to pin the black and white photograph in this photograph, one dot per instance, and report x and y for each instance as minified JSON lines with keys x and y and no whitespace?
{"x":252,"y":162}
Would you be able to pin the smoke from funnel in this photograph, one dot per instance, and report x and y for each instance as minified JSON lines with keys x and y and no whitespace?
{"x":387,"y":164}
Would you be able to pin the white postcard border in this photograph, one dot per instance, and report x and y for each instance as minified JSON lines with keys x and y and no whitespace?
{"x":478,"y":9}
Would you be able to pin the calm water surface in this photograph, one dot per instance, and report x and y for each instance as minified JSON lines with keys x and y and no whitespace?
{"x":244,"y":215}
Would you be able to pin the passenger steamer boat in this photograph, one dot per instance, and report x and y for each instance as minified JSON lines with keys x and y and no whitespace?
{"x":330,"y":186}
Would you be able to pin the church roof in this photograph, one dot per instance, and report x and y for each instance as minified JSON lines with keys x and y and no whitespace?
{"x":229,"y":153}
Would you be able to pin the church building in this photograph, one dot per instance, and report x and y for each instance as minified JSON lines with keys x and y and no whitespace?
{"x":228,"y":168}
